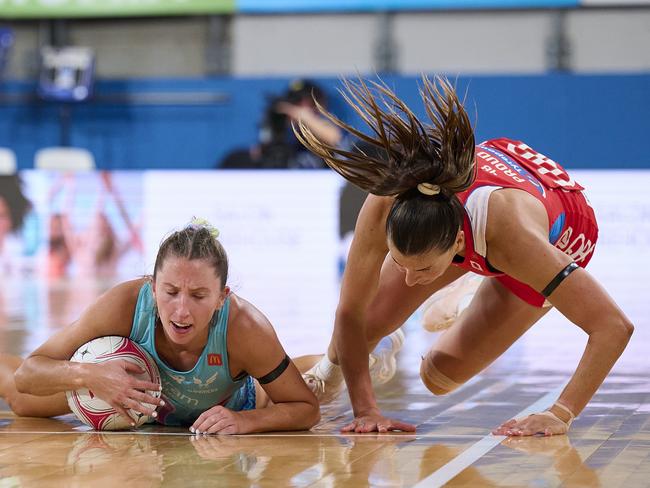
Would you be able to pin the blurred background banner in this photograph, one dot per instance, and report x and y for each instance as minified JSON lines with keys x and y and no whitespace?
{"x":72,"y":225}
{"x":24,"y":9}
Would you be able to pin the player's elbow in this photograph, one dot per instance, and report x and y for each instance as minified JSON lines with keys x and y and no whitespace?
{"x":310,"y":417}
{"x":617,"y":332}
{"x":19,"y":406}
{"x":621,"y":329}
{"x":626,"y":328}
{"x":314,"y":416}
{"x":21,"y":379}
{"x":346,"y":314}
{"x":623,"y":332}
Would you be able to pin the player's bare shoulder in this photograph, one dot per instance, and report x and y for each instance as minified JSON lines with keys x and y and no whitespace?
{"x":246,"y":321}
{"x":516,"y":223}
{"x":370,"y":231}
{"x":512,"y":211}
{"x":251,"y":338}
{"x":375,"y":211}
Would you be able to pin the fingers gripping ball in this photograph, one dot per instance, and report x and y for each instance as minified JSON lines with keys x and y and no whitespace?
{"x":95,"y":412}
{"x":433,"y":379}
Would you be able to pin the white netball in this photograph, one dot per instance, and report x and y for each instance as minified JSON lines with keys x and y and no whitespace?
{"x":95,"y":412}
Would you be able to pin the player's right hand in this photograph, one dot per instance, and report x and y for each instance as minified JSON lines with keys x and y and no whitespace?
{"x":115,"y":382}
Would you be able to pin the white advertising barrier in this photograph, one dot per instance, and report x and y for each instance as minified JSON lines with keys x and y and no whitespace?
{"x":280,"y":230}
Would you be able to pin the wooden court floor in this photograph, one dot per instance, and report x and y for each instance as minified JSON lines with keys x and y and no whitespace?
{"x":608,"y":446}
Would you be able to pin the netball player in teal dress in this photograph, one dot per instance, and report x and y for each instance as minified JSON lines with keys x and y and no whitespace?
{"x":222,"y":367}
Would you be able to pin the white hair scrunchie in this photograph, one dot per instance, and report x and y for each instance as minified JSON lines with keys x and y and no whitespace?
{"x":428,"y":189}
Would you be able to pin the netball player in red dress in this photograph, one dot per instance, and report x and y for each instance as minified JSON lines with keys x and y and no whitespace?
{"x":439,"y":207}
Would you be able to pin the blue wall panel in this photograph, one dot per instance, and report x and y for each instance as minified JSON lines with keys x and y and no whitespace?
{"x":586,"y":121}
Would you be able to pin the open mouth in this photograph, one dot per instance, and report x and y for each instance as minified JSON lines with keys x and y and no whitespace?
{"x":180,"y":327}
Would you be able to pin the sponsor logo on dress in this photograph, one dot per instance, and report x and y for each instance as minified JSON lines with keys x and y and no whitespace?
{"x":215,"y":360}
{"x":209,"y":381}
{"x":507,"y":166}
{"x":577,"y":248}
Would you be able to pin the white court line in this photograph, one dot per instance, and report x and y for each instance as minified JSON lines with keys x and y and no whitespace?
{"x":482,"y":447}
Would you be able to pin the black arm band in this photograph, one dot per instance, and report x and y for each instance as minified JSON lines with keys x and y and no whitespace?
{"x":267,"y":378}
{"x":559,"y":278}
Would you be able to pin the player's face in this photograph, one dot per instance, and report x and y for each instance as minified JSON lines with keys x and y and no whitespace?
{"x":425,"y":268}
{"x":187,"y":294}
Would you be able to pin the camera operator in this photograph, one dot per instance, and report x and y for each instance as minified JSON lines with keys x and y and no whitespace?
{"x":278,"y":146}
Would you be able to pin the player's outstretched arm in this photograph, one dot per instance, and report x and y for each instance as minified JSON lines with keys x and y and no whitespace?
{"x":48,"y":370}
{"x":521,"y":249}
{"x":360,"y":285}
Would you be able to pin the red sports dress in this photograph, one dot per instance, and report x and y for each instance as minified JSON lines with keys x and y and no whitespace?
{"x":504,"y":163}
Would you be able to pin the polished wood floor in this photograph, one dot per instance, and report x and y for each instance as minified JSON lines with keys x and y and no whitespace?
{"x":608,"y":445}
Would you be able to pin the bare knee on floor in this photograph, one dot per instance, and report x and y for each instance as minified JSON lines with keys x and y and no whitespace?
{"x":436,"y":382}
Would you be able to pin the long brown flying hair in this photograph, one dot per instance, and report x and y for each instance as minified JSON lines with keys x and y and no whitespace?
{"x":410,"y":152}
{"x":441,"y":153}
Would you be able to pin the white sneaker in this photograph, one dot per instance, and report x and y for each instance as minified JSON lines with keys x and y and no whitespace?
{"x":383,"y":362}
{"x":442,"y":308}
{"x":325,"y":380}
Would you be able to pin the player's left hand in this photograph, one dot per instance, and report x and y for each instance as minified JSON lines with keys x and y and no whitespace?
{"x":374,"y":421}
{"x":542,"y":423}
{"x":218,"y":420}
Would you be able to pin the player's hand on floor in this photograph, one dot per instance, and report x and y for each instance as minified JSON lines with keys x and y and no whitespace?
{"x":218,"y":420}
{"x":543,"y":423}
{"x":375,"y":422}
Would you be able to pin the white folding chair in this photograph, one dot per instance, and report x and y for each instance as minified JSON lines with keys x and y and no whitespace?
{"x":7,"y":161}
{"x":64,"y":159}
